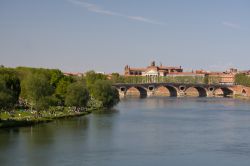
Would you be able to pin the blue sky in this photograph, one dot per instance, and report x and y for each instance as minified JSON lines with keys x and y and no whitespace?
{"x":105,"y":35}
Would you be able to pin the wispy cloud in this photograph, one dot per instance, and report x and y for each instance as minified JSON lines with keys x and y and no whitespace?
{"x":146,"y":20}
{"x":97,"y":9}
{"x":231,"y":25}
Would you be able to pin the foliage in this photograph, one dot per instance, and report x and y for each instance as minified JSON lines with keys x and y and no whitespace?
{"x":206,"y":79}
{"x":213,"y":79}
{"x":77,"y":95}
{"x":9,"y":88}
{"x":55,"y":77}
{"x":26,"y":74}
{"x":91,"y":77}
{"x":184,"y":79}
{"x":166,"y":79}
{"x":242,"y":79}
{"x":61,"y":88}
{"x":7,"y":99}
{"x":117,"y":78}
{"x":94,"y":104}
{"x":38,"y":90}
{"x":102,"y":91}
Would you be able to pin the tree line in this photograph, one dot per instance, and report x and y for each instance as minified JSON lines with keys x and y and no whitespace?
{"x":242,"y":79}
{"x":116,"y":78}
{"x":40,"y":89}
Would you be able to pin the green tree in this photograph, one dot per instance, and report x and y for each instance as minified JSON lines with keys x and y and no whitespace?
{"x":242,"y":79}
{"x":9,"y":88}
{"x":77,"y":95}
{"x":117,"y":78}
{"x":91,"y":77}
{"x":55,"y":76}
{"x":61,"y":88}
{"x":7,"y":97}
{"x":206,"y":79}
{"x":102,"y":91}
{"x":38,"y":91}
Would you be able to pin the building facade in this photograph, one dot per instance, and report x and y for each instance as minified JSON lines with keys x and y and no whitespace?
{"x":227,"y":77}
{"x":151,"y":70}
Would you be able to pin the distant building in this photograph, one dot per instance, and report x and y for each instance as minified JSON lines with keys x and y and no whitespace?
{"x":227,"y":77}
{"x":224,"y":78}
{"x":232,"y":71}
{"x":151,"y":70}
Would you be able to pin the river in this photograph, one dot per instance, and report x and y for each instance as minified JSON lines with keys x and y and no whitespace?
{"x":138,"y":132}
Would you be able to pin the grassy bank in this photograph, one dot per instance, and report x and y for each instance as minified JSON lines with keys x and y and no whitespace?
{"x":19,"y":118}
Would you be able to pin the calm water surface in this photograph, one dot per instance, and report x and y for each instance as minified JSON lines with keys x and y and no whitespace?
{"x":139,"y":132}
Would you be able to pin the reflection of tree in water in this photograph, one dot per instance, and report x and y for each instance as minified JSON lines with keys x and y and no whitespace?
{"x":43,"y":144}
{"x":49,"y":141}
{"x":7,"y":143}
{"x":39,"y":140}
{"x":99,"y":137}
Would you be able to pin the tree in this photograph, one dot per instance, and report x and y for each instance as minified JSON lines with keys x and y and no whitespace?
{"x":55,"y":76}
{"x":242,"y":79}
{"x":7,"y":97}
{"x":117,"y":78}
{"x":38,"y":91}
{"x":61,"y":88}
{"x":102,"y":91}
{"x":9,"y":88}
{"x":91,"y":77}
{"x":77,"y":95}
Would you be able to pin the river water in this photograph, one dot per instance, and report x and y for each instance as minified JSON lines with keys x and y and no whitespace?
{"x":138,"y":132}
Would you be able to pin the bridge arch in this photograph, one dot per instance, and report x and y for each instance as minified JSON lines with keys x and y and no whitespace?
{"x":196,"y":91}
{"x":151,"y":88}
{"x":166,"y":91}
{"x":223,"y":92}
{"x":136,"y":91}
{"x":244,"y":92}
{"x":182,"y":88}
{"x":211,"y":88}
{"x":123,"y":89}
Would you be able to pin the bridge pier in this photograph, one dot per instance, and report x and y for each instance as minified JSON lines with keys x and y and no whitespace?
{"x":210,"y":94}
{"x":181,"y":91}
{"x":122,"y":92}
{"x":151,"y":90}
{"x":210,"y":91}
{"x":150,"y":93}
{"x":181,"y":94}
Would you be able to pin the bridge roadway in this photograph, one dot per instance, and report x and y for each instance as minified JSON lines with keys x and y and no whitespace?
{"x":174,"y":89}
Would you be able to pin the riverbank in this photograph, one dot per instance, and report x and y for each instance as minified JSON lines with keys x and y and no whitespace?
{"x":21,"y":118}
{"x":241,"y":97}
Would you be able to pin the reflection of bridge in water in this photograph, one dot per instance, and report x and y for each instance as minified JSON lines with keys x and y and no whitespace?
{"x":174,"y":89}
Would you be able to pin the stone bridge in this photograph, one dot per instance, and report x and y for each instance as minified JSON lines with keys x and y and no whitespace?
{"x":179,"y":89}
